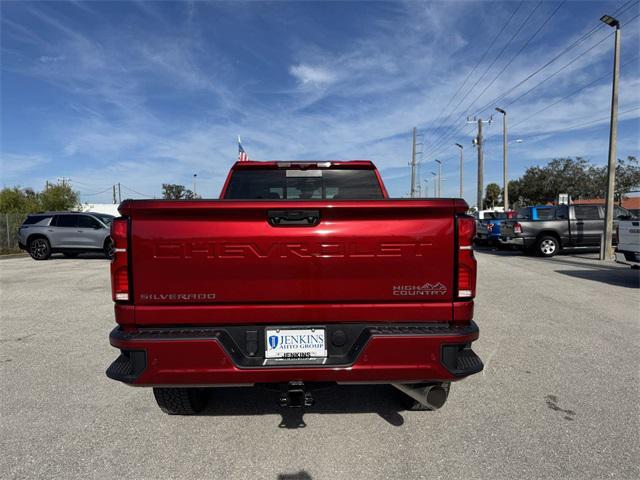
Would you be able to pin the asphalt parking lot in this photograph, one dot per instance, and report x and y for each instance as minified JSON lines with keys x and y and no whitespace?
{"x":558,"y":397}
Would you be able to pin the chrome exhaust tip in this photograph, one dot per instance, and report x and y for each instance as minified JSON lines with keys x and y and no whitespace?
{"x":431,"y":395}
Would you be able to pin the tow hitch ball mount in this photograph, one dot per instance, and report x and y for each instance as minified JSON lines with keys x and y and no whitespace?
{"x":294,"y":394}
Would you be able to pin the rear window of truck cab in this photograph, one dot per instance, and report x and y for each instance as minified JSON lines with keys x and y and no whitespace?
{"x":539,"y":213}
{"x":303,"y":184}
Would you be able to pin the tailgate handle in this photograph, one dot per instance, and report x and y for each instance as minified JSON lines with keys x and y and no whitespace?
{"x":293,"y":218}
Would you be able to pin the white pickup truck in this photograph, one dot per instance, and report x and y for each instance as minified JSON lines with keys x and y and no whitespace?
{"x":628,"y":249}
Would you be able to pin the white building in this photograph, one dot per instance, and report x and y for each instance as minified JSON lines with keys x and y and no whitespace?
{"x":108,"y":208}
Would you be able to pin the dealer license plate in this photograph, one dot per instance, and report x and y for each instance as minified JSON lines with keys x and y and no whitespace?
{"x":295,"y":344}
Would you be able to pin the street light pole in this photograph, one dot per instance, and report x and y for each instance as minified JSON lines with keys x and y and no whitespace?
{"x":605,"y":246}
{"x":461,"y":163}
{"x":194,"y":183}
{"x":435,"y":188}
{"x":505,"y":176}
{"x":413,"y":165}
{"x":439,"y":177}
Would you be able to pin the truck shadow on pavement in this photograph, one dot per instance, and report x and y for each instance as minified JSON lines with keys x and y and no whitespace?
{"x":613,"y":276}
{"x":301,"y":475}
{"x":384,"y":400}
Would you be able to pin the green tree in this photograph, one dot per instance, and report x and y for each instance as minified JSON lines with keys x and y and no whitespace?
{"x":575,"y":176}
{"x":561,"y":175}
{"x":627,"y":177}
{"x":18,"y":200}
{"x":515,"y":197}
{"x":59,"y":197}
{"x":492,"y":193}
{"x":172,"y":191}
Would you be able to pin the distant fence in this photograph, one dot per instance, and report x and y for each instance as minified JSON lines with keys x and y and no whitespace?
{"x":9,"y":225}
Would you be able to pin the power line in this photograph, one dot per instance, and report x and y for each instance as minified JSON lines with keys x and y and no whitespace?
{"x":134,"y":191}
{"x":459,"y":131}
{"x":524,"y":45}
{"x":577,"y":42}
{"x":569,"y":95}
{"x":581,"y":125}
{"x":586,"y":124}
{"x":442,"y":141}
{"x":529,"y":40}
{"x":96,"y":193}
{"x":560,"y":70}
{"x":489,"y":47}
{"x":497,"y":57}
{"x":86,"y":184}
{"x":624,"y":8}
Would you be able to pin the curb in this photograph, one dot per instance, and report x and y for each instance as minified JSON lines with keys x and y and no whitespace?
{"x":13,"y":255}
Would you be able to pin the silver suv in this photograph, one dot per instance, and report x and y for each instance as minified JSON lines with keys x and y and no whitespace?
{"x":69,"y":233}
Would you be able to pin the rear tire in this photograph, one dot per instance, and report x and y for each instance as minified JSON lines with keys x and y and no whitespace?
{"x":181,"y":401}
{"x":547,"y":246}
{"x":39,"y":248}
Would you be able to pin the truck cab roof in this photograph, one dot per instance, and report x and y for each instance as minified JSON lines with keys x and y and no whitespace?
{"x":303,"y":164}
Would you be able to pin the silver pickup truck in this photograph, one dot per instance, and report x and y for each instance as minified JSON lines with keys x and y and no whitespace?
{"x":546,"y":230}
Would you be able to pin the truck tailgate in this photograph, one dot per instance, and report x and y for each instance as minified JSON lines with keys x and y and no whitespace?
{"x":629,"y":235}
{"x":224,"y":253}
{"x":506,"y":228}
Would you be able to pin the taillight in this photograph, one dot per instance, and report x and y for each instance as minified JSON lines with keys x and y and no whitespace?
{"x":120,"y":261}
{"x":517,"y":228}
{"x":466,"y":261}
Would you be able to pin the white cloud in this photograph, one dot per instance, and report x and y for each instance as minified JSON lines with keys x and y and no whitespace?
{"x":52,"y":59}
{"x":15,"y":165}
{"x":307,"y":74}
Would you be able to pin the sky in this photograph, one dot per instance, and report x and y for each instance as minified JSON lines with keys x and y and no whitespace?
{"x":146,"y":93}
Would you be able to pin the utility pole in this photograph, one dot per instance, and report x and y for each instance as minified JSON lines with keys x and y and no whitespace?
{"x":461,"y":166}
{"x":480,"y":166}
{"x":119,"y":195}
{"x":605,"y":247}
{"x":505,"y":176}
{"x":439,"y":177}
{"x":426,"y":187}
{"x":413,"y":165}
{"x":478,"y":143}
{"x":114,"y":194}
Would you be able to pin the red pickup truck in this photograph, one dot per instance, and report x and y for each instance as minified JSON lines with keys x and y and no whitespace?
{"x":301,"y":273}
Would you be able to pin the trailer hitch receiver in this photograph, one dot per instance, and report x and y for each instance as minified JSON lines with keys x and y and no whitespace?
{"x":294,"y":394}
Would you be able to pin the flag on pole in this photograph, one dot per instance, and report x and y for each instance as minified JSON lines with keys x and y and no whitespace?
{"x":242,"y":155}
